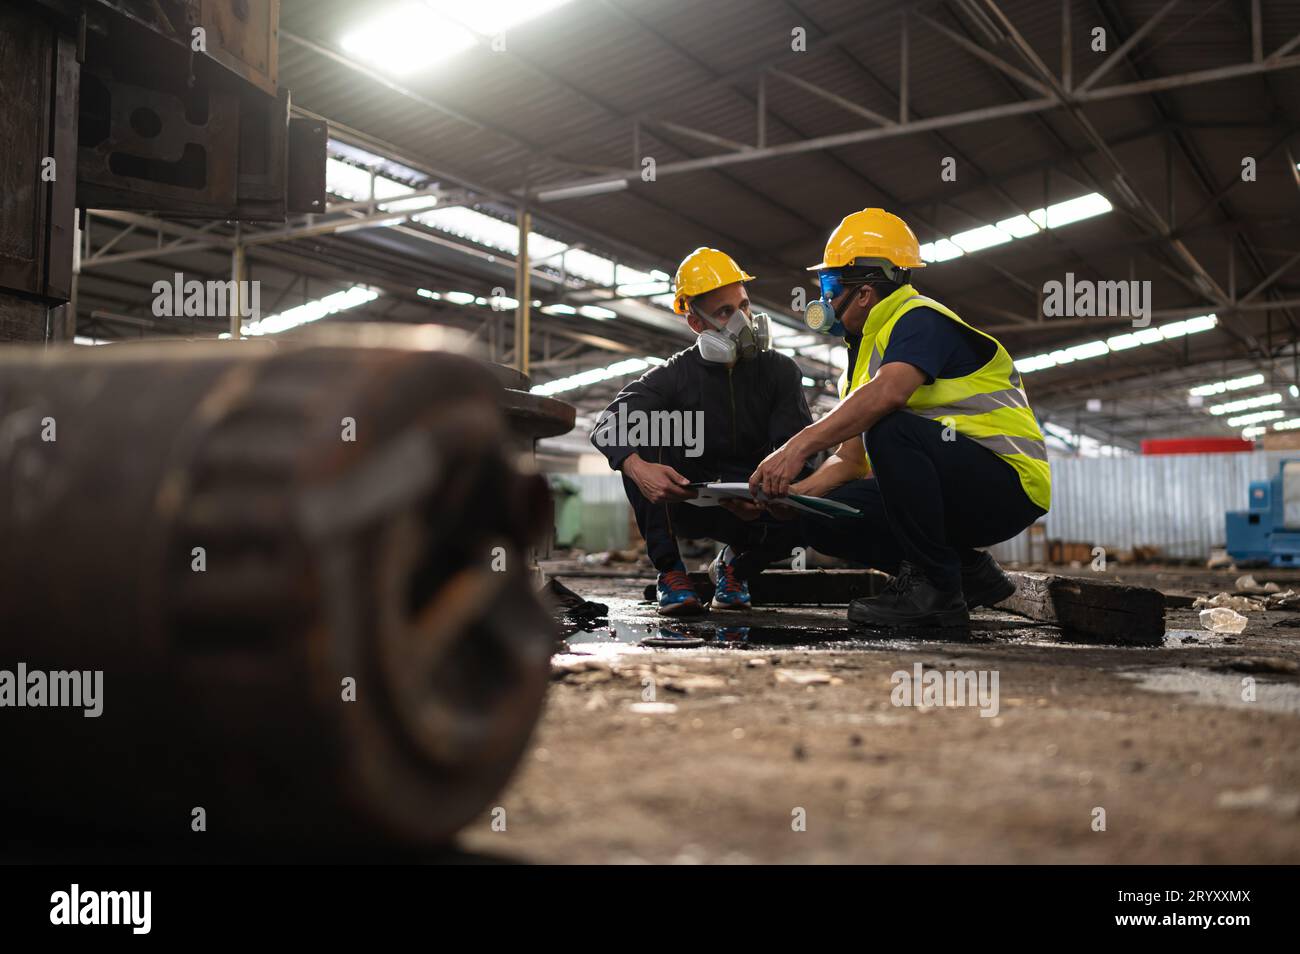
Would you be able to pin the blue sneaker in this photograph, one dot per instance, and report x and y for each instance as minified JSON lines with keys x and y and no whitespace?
{"x":677,"y":594}
{"x":730,"y":591}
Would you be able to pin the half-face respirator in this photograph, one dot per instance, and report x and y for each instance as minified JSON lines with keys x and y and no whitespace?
{"x":742,"y":337}
{"x":820,"y":315}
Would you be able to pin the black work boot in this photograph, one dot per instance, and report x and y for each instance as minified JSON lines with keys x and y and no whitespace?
{"x":910,"y":601}
{"x":984,"y":584}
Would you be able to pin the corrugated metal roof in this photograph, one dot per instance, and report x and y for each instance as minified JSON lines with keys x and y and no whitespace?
{"x":561,"y":102}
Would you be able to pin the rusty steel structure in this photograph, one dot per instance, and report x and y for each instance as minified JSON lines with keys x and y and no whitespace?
{"x":165,"y":106}
{"x":302,"y":571}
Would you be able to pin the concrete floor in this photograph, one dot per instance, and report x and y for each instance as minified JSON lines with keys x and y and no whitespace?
{"x":783,"y":743}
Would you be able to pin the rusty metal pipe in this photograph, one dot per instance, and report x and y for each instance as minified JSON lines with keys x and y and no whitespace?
{"x":326,"y":560}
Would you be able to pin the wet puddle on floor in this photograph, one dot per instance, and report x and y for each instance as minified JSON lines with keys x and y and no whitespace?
{"x":654,"y":633}
{"x":1230,"y":689}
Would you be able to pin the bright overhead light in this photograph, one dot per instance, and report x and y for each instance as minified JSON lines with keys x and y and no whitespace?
{"x":582,"y":190}
{"x":1232,"y":384}
{"x":493,"y":17}
{"x":413,"y":36}
{"x":1092,"y":349}
{"x":407,"y":38}
{"x":1096,"y":349}
{"x":559,"y":309}
{"x":1122,"y":342}
{"x":459,"y":297}
{"x":1245,"y":404}
{"x":1290,"y":425}
{"x":594,"y":376}
{"x":1071,"y":210}
{"x":595,"y":311}
{"x":986,"y":236}
{"x":940,"y":251}
{"x":311,"y":311}
{"x":1018,"y":226}
{"x":1255,"y":418}
{"x":643,"y":289}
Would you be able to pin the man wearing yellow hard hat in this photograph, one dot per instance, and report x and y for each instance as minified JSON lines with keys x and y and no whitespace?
{"x":934,"y":439}
{"x":748,"y":399}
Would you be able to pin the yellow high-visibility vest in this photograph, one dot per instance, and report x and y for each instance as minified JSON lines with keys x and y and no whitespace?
{"x":989,"y":405}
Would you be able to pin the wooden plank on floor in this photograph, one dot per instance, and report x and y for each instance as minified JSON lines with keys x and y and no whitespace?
{"x":1090,"y":610}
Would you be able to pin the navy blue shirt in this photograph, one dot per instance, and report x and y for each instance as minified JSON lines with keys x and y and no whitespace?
{"x":937,"y":346}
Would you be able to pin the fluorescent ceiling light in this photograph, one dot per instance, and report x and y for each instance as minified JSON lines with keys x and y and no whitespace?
{"x":1255,"y":418}
{"x":643,"y":289}
{"x":1232,"y":384}
{"x":986,"y":236}
{"x":593,"y":376}
{"x":1096,"y":349}
{"x":311,"y":311}
{"x":412,"y":36}
{"x":595,"y":311}
{"x":1018,"y":226}
{"x":1071,"y":210}
{"x":406,"y":38}
{"x":560,"y":309}
{"x":493,"y":17}
{"x":940,"y":251}
{"x":1245,"y":404}
{"x":582,"y":190}
{"x":459,"y":297}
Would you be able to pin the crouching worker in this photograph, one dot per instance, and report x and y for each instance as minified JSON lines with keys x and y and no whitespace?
{"x":709,"y":413}
{"x":937,"y":444}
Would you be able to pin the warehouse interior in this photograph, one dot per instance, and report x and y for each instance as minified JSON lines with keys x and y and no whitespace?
{"x":466,"y":219}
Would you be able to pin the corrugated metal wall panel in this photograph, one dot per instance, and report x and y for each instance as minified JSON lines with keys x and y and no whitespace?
{"x":1174,"y":502}
{"x":605,"y":511}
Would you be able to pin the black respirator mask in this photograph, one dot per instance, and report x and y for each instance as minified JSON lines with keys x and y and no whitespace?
{"x":741,"y":338}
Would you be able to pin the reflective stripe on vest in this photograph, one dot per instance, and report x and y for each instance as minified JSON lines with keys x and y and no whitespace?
{"x":988,"y":406}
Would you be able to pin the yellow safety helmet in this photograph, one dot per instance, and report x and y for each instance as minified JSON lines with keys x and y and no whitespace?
{"x":702,"y":271}
{"x":871,"y":233}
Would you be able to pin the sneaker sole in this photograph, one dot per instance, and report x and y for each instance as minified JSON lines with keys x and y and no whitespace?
{"x":729,"y":606}
{"x":993,"y":596}
{"x":950,"y":619}
{"x":682,"y":609}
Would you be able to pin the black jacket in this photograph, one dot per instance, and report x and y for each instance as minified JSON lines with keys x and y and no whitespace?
{"x":750,"y":409}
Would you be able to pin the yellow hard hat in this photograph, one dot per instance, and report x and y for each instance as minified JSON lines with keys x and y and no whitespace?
{"x":702,"y":271}
{"x":871,"y":233}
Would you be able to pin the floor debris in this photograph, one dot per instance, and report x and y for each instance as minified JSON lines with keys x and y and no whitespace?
{"x":806,"y":677}
{"x":652,"y":708}
{"x":1260,"y":797}
{"x":1155,"y":733}
{"x":1220,"y":619}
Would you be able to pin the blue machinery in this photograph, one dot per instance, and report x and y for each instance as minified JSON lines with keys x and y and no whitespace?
{"x":1269,"y":531}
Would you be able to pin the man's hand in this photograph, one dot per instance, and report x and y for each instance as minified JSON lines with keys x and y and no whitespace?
{"x":778,"y":469}
{"x":659,"y":483}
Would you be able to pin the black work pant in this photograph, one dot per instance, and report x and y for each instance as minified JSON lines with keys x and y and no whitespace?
{"x":756,"y":543}
{"x":930,"y":502}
